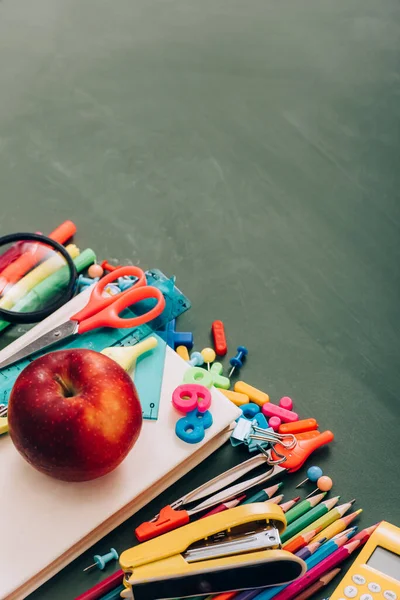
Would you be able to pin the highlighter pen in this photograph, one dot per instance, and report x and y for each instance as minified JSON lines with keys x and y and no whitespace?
{"x":37,"y":275}
{"x":42,"y":292}
{"x":37,"y":251}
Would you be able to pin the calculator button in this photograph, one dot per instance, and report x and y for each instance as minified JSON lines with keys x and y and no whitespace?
{"x":366,"y":597}
{"x":350,"y":591}
{"x":360,"y":580}
{"x":374,"y":587}
{"x":389,"y":595}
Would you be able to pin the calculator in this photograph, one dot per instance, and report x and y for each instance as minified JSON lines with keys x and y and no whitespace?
{"x":375,"y":574}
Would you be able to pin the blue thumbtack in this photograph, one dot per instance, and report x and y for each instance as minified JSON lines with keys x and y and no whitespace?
{"x":178,"y":338}
{"x":237,"y":361}
{"x":196,"y":359}
{"x":101,"y":561}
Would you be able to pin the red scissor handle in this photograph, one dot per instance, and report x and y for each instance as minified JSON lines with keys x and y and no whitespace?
{"x":306,"y":444}
{"x":104,"y":311}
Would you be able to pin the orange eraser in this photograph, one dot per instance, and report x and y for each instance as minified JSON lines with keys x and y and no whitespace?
{"x":298,"y":426}
{"x":253,"y":393}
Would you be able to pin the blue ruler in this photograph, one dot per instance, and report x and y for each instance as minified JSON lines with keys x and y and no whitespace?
{"x":149,"y":369}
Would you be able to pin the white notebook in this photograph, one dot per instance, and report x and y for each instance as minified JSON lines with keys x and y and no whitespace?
{"x":52,"y":522}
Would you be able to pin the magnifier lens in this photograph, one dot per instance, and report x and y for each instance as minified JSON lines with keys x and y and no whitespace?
{"x":34,"y":277}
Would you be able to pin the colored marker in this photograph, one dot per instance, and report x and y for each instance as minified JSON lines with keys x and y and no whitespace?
{"x":300,"y":541}
{"x":36,"y":252}
{"x":338,"y":526}
{"x":309,"y":550}
{"x":326,"y":519}
{"x":326,"y":565}
{"x":309,"y":520}
{"x":302,"y":508}
{"x":318,"y":585}
{"x":285,"y":506}
{"x":264,"y":494}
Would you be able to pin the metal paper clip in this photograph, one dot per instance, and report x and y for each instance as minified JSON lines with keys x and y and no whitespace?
{"x":273,"y":438}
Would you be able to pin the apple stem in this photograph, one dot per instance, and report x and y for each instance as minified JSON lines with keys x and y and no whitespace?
{"x":67,"y":389}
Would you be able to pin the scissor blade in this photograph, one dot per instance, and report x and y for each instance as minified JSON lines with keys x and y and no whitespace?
{"x":47,"y":339}
{"x":236,"y":490}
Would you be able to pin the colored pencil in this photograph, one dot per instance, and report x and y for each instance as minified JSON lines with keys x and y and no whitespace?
{"x":364,"y":535}
{"x":303,"y":507}
{"x":103,"y":587}
{"x":318,"y":585}
{"x":275,"y":500}
{"x":309,"y":519}
{"x":331,"y":546}
{"x":285,"y":506}
{"x":264,"y":494}
{"x":300,"y":541}
{"x":338,"y":526}
{"x":224,"y":506}
{"x":310,"y":549}
{"x":336,"y":558}
{"x":323,"y":521}
{"x":350,"y":530}
{"x":114,"y":594}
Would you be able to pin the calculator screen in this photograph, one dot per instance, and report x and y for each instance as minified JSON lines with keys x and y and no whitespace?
{"x":388,"y":563}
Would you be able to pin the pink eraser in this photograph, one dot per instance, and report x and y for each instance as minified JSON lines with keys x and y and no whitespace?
{"x":272,"y":410}
{"x":286,"y":403}
{"x":275,"y":423}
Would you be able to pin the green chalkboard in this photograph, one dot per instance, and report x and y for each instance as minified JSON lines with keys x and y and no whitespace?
{"x":251,"y":148}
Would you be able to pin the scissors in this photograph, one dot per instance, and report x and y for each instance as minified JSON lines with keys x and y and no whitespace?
{"x":101,"y":311}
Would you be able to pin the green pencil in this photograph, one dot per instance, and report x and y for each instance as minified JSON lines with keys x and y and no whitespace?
{"x":309,"y":518}
{"x":300,"y":509}
{"x":330,"y":517}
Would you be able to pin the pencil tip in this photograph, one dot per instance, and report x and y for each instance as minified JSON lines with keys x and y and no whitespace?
{"x":352,"y":501}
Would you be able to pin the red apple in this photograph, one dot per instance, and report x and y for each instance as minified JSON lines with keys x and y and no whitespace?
{"x":74,"y":414}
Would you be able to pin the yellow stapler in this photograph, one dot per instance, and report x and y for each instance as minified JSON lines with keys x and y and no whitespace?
{"x":232,"y":550}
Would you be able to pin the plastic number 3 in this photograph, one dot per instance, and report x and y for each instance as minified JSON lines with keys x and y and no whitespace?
{"x":191,"y":429}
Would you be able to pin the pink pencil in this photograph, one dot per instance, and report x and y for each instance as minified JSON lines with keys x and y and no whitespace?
{"x":336,"y":558}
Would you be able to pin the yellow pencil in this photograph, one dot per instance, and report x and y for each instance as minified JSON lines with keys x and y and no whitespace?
{"x":333,"y":515}
{"x":337,"y":526}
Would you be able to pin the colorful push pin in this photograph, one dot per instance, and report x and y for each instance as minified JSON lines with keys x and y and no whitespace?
{"x":95,"y":271}
{"x":101,"y":561}
{"x":183,"y":352}
{"x":178,"y":338}
{"x":313,"y":474}
{"x":196,"y":359}
{"x":286,"y":403}
{"x":237,"y":361}
{"x":324,"y":484}
{"x":209,"y":356}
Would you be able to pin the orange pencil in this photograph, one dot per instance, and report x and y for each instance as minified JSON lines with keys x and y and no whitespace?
{"x":301,"y":540}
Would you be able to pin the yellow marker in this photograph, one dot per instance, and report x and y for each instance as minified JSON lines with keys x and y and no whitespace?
{"x":235,"y":397}
{"x":27,"y":283}
{"x":126,"y":356}
{"x":183,"y":352}
{"x":253,"y":393}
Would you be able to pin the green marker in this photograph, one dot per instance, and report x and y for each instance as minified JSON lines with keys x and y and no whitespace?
{"x":309,"y":518}
{"x":300,"y":509}
{"x":263,"y":495}
{"x":43,"y":291}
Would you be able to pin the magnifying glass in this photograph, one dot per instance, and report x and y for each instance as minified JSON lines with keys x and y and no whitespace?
{"x":37,"y":276}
